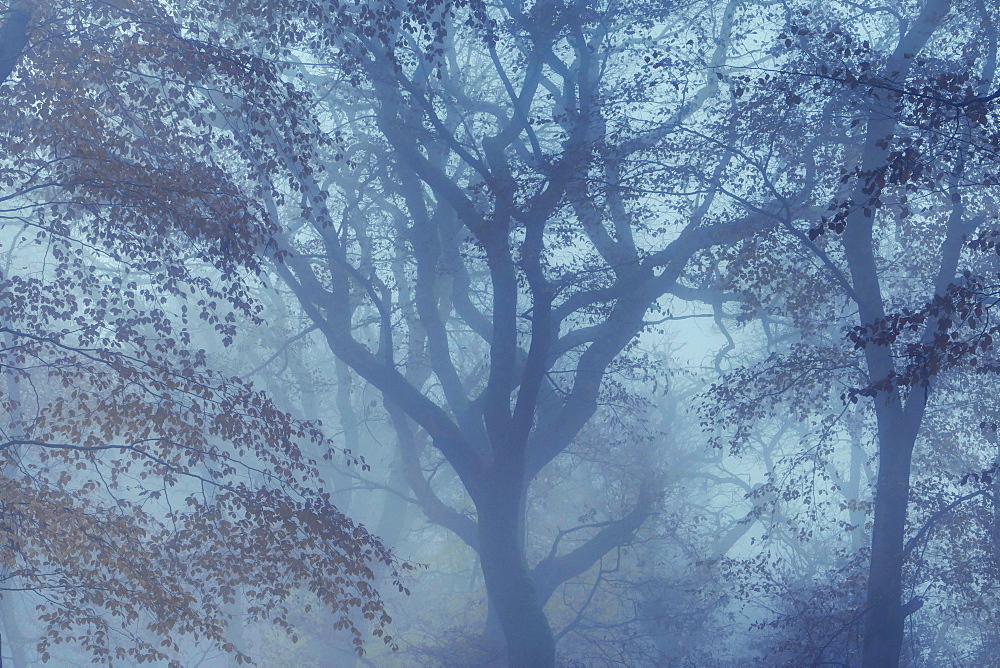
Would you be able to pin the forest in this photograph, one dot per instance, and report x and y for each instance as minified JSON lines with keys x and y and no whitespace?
{"x":527,"y":333}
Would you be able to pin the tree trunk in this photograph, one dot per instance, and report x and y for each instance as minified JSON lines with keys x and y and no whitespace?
{"x":512,"y":592}
{"x":852,"y":489}
{"x":14,"y":641}
{"x":898,"y":421}
{"x":884,"y":621}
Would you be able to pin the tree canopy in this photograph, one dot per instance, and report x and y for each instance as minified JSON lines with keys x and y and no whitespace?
{"x":141,"y":489}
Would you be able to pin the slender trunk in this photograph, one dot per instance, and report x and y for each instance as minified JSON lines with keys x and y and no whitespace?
{"x":14,"y":641}
{"x":530,"y":643}
{"x":395,"y":517}
{"x":349,"y":422}
{"x":235,"y":631}
{"x":897,"y":426}
{"x":995,"y":528}
{"x":852,"y":490}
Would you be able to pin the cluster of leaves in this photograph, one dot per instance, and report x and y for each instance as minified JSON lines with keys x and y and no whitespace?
{"x":352,"y":30}
{"x":788,"y":385}
{"x":123,"y":499}
{"x":961,"y":332}
{"x":143,"y":493}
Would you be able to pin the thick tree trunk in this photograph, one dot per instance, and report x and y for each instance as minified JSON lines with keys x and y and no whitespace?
{"x":512,"y":592}
{"x":492,"y":631}
{"x":884,"y":630}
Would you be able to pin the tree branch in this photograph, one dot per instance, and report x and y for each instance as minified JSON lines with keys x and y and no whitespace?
{"x":552,"y":571}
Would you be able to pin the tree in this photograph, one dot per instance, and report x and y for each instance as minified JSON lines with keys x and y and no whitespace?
{"x":882,"y":207}
{"x":478,"y":239}
{"x":141,"y":491}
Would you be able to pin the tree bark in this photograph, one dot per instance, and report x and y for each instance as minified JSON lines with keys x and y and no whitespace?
{"x":511,"y":589}
{"x":884,"y":628}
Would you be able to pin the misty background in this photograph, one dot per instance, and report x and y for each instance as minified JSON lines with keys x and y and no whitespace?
{"x":474,"y":333}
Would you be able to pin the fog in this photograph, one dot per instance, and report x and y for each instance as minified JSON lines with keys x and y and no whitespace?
{"x":552,"y":333}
